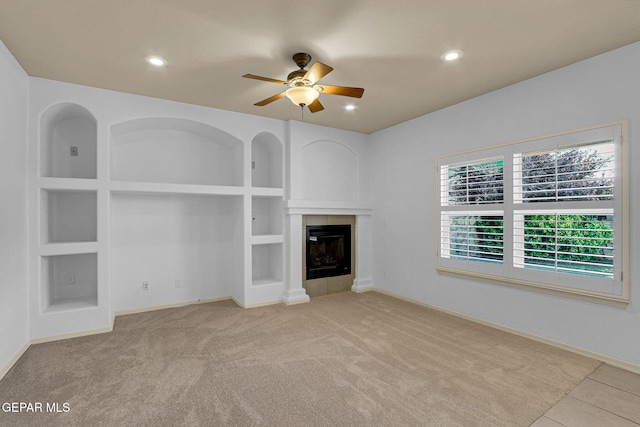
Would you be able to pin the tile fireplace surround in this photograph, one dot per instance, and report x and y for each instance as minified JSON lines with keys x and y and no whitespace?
{"x":299,"y":214}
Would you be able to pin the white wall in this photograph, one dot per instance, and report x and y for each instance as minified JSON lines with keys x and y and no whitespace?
{"x":326,"y":164}
{"x":14,"y":309}
{"x":596,"y":91}
{"x":161,"y":239}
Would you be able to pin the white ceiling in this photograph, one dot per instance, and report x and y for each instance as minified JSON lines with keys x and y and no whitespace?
{"x":391,"y":48}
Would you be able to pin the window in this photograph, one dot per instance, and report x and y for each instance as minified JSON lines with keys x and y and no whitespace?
{"x":545,"y":213}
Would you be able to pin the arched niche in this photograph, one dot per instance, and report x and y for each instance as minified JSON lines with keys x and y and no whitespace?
{"x":68,"y":142}
{"x":176,"y":151}
{"x":329,"y":171}
{"x":266,"y":161}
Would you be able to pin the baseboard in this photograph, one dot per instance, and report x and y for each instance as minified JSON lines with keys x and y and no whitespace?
{"x":362,"y":285}
{"x":165,"y":306}
{"x":7,"y":367}
{"x":258,"y":304}
{"x":618,"y":363}
{"x":71,"y":335}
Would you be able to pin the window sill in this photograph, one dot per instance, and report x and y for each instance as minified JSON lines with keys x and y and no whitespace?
{"x":620,"y":301}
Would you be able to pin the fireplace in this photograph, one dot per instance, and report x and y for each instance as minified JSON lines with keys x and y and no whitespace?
{"x":328,"y":251}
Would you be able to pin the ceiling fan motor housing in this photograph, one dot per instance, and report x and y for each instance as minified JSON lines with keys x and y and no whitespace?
{"x":301,"y":59}
{"x":295,"y":78}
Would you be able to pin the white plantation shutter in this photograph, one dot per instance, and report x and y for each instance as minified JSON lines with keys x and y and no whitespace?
{"x":560,"y":175}
{"x":544,"y":213}
{"x":567,"y":241}
{"x":471,"y":201}
{"x":568,"y":193}
{"x":477,"y":236}
{"x":472,"y":183}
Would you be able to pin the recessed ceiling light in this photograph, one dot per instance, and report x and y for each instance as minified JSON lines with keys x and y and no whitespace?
{"x":451,"y":55}
{"x":349,"y":107}
{"x":157,"y":61}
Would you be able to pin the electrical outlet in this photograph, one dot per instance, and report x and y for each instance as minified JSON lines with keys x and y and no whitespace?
{"x":74,"y":151}
{"x":253,"y":164}
{"x":145,"y":286}
{"x":178,"y":284}
{"x":71,"y":278}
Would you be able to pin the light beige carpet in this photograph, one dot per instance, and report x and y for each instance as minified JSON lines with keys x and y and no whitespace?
{"x":341,"y":360}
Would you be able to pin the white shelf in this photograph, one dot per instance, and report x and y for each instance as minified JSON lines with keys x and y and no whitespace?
{"x":266,"y":281}
{"x":266,"y":239}
{"x":53,"y":249}
{"x":70,"y":184}
{"x":157,"y":188}
{"x":267,"y":192}
{"x":68,"y":304}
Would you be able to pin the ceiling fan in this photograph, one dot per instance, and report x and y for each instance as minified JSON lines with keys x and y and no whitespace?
{"x":303,"y":88}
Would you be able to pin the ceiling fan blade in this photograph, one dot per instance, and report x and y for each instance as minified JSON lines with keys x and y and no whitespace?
{"x":269,"y":100}
{"x":317,"y":71}
{"x":316,"y":106}
{"x":355,"y":92}
{"x":264,"y":79}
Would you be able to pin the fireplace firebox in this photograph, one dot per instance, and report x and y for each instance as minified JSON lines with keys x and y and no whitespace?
{"x":328,"y":251}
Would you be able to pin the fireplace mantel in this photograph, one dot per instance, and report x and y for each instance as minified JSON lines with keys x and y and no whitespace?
{"x":312,"y":207}
{"x":294,"y":293}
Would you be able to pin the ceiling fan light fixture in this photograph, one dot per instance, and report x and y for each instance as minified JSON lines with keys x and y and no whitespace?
{"x":302,"y":95}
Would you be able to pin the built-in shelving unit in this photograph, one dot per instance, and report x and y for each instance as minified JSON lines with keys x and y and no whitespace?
{"x":266,"y":210}
{"x":184,"y":207}
{"x":177,"y":189}
{"x":201,"y":173}
{"x":68,"y":221}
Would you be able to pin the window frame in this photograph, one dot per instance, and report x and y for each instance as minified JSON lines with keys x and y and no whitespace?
{"x":612,"y":292}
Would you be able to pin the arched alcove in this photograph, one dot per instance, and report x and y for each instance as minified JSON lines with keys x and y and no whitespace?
{"x":266,"y":161}
{"x":68,"y":142}
{"x":175,"y":151}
